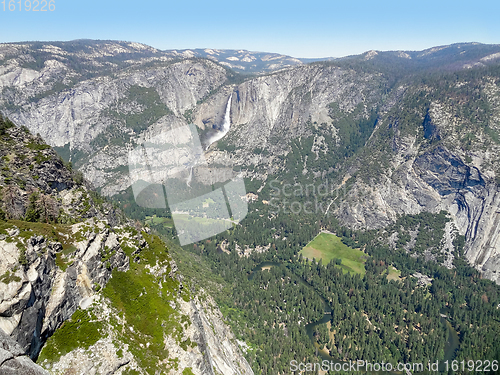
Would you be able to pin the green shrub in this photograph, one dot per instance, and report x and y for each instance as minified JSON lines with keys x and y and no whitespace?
{"x":23,"y":261}
{"x":9,"y":277}
{"x":40,"y":158}
{"x":78,"y":178}
{"x":5,"y":124}
{"x":33,"y":145}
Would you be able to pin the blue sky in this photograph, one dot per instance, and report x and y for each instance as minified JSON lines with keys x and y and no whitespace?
{"x":300,"y":29}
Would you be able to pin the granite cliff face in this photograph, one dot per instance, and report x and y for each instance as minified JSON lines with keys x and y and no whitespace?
{"x":14,"y":360}
{"x":432,"y":144}
{"x":65,"y":252}
{"x":93,"y":122}
{"x":444,"y":157}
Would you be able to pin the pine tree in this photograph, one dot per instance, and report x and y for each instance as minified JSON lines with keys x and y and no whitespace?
{"x":33,"y":212}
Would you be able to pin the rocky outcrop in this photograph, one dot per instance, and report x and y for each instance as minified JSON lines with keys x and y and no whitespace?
{"x":211,"y":349}
{"x":223,"y":350}
{"x":100,"y":358}
{"x":39,"y":295}
{"x":47,"y":268}
{"x":13,"y":360}
{"x":60,"y":245}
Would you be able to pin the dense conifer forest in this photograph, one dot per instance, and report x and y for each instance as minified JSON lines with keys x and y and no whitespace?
{"x":373,"y":318}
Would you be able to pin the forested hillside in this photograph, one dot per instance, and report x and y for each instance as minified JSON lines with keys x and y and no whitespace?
{"x":375,"y":316}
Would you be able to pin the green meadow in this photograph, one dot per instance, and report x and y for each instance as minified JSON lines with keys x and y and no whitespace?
{"x":393,"y":274}
{"x":156,"y":220}
{"x":327,"y":246}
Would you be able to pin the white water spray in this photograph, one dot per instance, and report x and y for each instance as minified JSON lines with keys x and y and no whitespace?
{"x":226,"y":125}
{"x":219,"y":134}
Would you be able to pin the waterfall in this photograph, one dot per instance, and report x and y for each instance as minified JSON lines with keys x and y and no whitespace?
{"x":226,"y":125}
{"x":213,"y":137}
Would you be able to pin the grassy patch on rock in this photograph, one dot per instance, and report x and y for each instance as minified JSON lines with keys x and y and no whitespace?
{"x":147,"y":303}
{"x":81,"y":331}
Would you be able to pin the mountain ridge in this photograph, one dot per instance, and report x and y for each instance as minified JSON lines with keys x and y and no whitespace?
{"x":324,"y":105}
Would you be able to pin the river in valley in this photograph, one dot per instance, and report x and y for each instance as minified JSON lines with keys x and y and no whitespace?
{"x":449,"y":350}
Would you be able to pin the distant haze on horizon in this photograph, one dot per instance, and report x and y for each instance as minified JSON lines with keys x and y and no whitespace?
{"x":314,"y":30}
{"x":325,"y":56}
{"x":256,"y":51}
